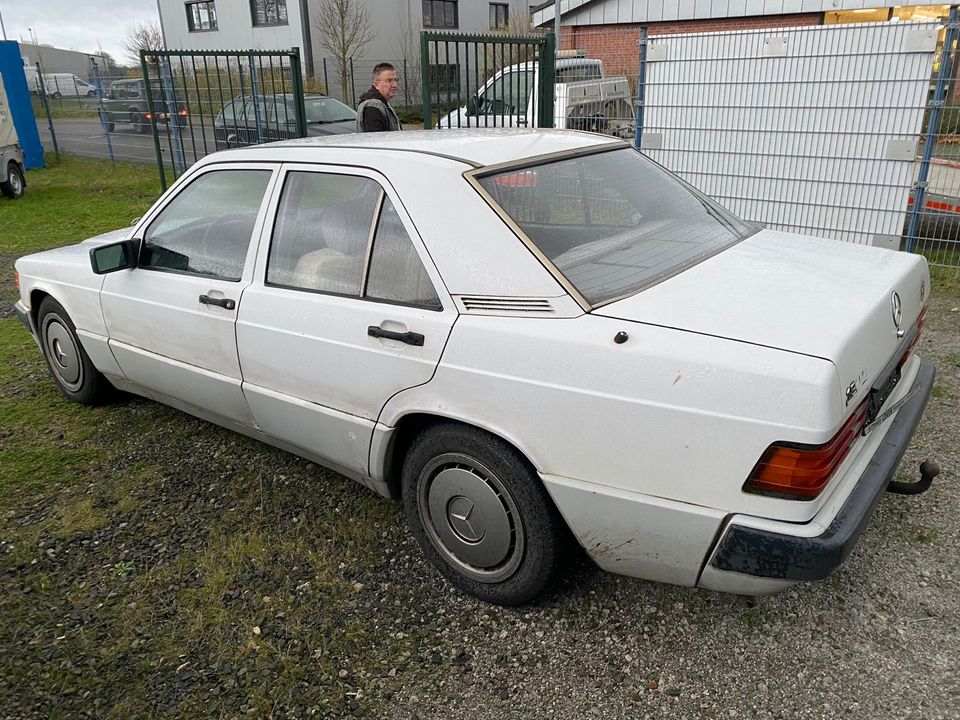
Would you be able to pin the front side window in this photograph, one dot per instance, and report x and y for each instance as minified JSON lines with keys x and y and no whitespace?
{"x":440,"y":14}
{"x":206,"y":229}
{"x":321,"y":242}
{"x":268,"y":12}
{"x":499,"y":15}
{"x":615,"y":222}
{"x":201,"y":15}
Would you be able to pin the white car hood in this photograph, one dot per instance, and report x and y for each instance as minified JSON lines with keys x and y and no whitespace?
{"x":803,"y":294}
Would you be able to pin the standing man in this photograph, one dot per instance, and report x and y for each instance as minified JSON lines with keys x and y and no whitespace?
{"x":374,"y":113}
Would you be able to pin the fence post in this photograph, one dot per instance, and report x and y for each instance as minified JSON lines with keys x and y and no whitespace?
{"x":406,"y":85}
{"x":548,"y":76}
{"x":256,"y":102}
{"x":153,"y":111}
{"x":425,"y":80}
{"x":353,"y":86}
{"x":933,"y":123}
{"x":101,"y":112}
{"x":41,"y":85}
{"x":641,"y":88}
{"x":326,"y":81}
{"x":297,"y":78}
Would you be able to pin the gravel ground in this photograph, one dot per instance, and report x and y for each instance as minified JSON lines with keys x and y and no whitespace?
{"x":326,"y":608}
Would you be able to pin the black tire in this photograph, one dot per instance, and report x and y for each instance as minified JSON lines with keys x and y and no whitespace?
{"x":14,"y":185}
{"x":141,"y":125}
{"x":69,"y":365}
{"x":499,"y":536}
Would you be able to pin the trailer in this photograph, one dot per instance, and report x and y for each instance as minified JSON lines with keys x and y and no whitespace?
{"x":12,"y":178}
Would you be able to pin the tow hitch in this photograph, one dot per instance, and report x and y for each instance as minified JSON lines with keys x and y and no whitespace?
{"x":928,"y":471}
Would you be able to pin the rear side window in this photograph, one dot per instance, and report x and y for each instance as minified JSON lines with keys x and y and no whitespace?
{"x":322,"y":242}
{"x":206,"y":229}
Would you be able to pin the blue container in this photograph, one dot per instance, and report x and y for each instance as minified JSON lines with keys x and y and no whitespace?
{"x":18,"y":95}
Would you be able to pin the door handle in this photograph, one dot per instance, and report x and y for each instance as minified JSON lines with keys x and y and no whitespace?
{"x":410,"y":338}
{"x":225,"y":303}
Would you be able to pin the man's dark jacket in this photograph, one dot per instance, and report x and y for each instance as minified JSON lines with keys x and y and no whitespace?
{"x":374,"y":113}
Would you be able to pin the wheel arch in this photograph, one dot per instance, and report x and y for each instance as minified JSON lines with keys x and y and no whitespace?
{"x":410,"y":425}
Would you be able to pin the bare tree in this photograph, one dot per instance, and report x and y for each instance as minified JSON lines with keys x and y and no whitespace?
{"x":142,"y":36}
{"x":345,"y":30}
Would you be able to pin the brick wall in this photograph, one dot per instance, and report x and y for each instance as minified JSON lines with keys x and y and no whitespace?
{"x":616,"y":45}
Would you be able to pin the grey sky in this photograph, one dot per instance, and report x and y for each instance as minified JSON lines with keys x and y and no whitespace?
{"x":77,"y":24}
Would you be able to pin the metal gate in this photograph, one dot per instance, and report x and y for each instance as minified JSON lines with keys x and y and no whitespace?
{"x":487,"y":80}
{"x":198,"y":102}
{"x":815,"y":130}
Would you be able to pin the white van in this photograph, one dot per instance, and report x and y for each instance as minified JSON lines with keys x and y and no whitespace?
{"x":67,"y":85}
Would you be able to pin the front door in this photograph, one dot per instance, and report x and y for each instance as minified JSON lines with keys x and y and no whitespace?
{"x":171,"y":320}
{"x":346,"y":314}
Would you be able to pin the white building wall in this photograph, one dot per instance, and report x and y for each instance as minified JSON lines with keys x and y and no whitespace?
{"x":235,"y":29}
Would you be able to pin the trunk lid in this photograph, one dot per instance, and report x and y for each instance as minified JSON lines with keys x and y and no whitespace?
{"x":802,"y":294}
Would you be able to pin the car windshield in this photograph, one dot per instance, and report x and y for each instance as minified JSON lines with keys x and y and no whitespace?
{"x":327,"y":110}
{"x":614,"y":222}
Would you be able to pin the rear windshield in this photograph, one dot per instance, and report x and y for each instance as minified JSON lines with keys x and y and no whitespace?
{"x":613,"y":222}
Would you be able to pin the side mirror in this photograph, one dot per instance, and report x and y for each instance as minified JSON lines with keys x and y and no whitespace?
{"x":116,"y":256}
{"x":472,"y":106}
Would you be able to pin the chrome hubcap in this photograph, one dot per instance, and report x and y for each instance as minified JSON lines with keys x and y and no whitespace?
{"x":471,"y":517}
{"x":15,"y":183}
{"x":63,"y":353}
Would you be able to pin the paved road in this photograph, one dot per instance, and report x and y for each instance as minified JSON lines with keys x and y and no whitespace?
{"x":86,"y":138}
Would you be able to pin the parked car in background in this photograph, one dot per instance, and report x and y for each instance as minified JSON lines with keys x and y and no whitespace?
{"x":254,"y":119}
{"x":584,"y":98}
{"x":60,"y":85}
{"x":526,"y":336}
{"x":127,"y":103}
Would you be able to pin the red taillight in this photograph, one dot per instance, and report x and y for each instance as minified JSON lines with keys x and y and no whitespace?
{"x":803,"y":471}
{"x":16,"y":278}
{"x":183,"y":113}
{"x":148,"y":116}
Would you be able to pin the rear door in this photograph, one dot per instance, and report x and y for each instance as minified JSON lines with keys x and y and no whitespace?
{"x":346,"y":311}
{"x":171,"y":320}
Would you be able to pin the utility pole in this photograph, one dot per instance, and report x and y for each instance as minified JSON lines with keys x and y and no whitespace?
{"x":2,"y":27}
{"x":556,"y":21}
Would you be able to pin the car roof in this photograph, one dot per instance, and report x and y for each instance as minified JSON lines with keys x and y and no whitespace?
{"x":477,"y":147}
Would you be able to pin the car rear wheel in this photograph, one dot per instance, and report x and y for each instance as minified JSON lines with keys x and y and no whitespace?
{"x":140,"y":124}
{"x":481,"y":514}
{"x":69,"y":364}
{"x":13,"y":187}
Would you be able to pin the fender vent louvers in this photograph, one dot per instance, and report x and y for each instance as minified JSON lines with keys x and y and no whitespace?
{"x":495,"y":305}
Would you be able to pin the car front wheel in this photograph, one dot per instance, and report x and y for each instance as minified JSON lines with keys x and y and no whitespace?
{"x":69,"y":364}
{"x":13,"y":187}
{"x":480,"y":514}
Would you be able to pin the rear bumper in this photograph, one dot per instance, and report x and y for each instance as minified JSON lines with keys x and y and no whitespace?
{"x":782,"y":556}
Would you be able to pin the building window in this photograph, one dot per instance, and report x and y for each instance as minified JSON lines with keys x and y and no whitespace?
{"x":440,"y":14}
{"x":268,"y":12}
{"x":499,"y":15}
{"x":445,"y":79}
{"x":201,"y":16}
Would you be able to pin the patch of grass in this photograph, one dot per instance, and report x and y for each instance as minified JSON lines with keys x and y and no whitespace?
{"x":939,"y":392}
{"x":945,"y":281}
{"x":73,"y":199}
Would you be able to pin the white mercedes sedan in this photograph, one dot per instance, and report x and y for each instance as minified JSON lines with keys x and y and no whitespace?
{"x":531,"y":338}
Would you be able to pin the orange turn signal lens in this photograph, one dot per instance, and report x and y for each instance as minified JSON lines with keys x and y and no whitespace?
{"x":183,"y":113}
{"x":803,"y":471}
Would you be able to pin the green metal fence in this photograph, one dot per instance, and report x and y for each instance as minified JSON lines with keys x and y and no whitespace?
{"x":487,"y":80}
{"x":198,"y":102}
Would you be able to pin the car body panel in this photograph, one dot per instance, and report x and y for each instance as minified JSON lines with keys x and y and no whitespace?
{"x":848,"y":288}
